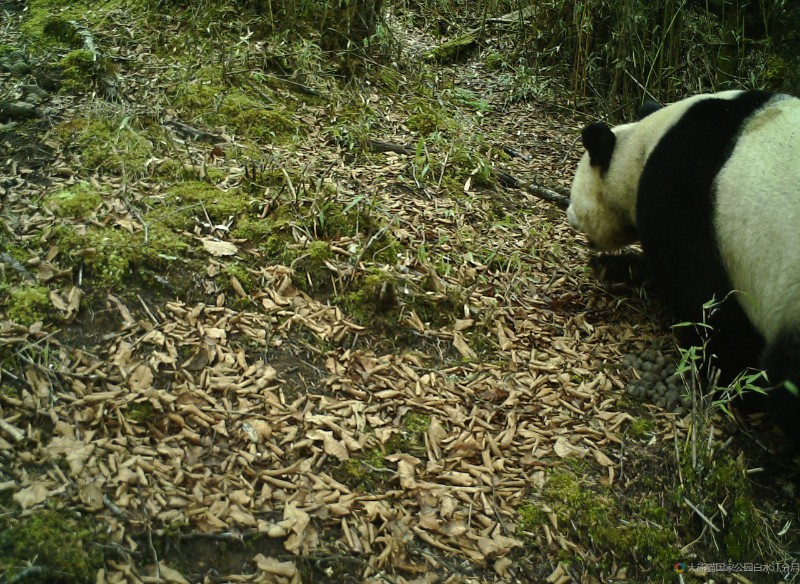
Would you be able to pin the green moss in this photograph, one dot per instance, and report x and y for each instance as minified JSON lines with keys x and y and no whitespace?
{"x":411,"y":437}
{"x":105,"y":254}
{"x":41,"y":17}
{"x":78,"y":202}
{"x":481,"y":340}
{"x":451,"y":171}
{"x":466,"y":98}
{"x":176,"y":529}
{"x":430,"y":117}
{"x":494,"y":61}
{"x":425,"y":123}
{"x":530,"y":519}
{"x":199,"y":98}
{"x":9,"y":391}
{"x":725,"y":482}
{"x":618,"y":529}
{"x":240,"y":272}
{"x":390,"y":79}
{"x":436,"y":309}
{"x":249,"y":117}
{"x":417,"y":423}
{"x":276,"y":246}
{"x":334,"y":221}
{"x":169,"y":169}
{"x":110,"y":255}
{"x":353,"y":127}
{"x":109,"y":146}
{"x":776,"y":72}
{"x":363,"y":303}
{"x":214,"y":174}
{"x":28,"y":304}
{"x":77,"y":70}
{"x":139,"y":411}
{"x":234,"y":102}
{"x":385,"y":250}
{"x":64,"y":547}
{"x":252,"y":229}
{"x":453,"y":50}
{"x":195,"y":202}
{"x":318,"y":251}
{"x":261,"y":123}
{"x":364,"y":472}
{"x":470,"y":163}
{"x":312,"y":275}
{"x":640,"y":428}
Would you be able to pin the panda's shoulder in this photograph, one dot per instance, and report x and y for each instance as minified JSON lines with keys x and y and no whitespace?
{"x":712,"y":114}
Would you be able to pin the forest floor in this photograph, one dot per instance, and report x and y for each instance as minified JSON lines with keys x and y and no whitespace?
{"x":270,"y":315}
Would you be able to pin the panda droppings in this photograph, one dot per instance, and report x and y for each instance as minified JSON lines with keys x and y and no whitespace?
{"x":656,"y":381}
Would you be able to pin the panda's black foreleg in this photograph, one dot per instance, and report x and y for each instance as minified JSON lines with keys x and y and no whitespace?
{"x":781,"y":361}
{"x":628,"y":268}
{"x":733,"y":344}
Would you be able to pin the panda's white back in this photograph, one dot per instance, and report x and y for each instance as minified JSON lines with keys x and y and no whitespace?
{"x":757,"y":215}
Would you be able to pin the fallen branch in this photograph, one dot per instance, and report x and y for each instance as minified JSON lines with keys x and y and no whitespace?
{"x":516,"y":153}
{"x":510,"y":181}
{"x":188,"y":131}
{"x":517,"y":16}
{"x":377,"y":146}
{"x":455,"y":49}
{"x":36,"y":572}
{"x":560,"y":199}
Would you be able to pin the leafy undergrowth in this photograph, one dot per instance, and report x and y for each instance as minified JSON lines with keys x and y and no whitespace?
{"x":244,"y":343}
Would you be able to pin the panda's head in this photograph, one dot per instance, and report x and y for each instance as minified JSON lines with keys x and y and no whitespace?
{"x":603,"y":198}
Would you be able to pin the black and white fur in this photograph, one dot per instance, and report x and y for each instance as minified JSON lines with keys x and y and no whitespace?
{"x":710,"y":185}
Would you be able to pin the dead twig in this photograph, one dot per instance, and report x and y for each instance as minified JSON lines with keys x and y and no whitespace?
{"x":700,"y":514}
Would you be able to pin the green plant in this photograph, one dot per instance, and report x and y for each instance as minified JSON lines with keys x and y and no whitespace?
{"x":700,"y":375}
{"x":717,"y":488}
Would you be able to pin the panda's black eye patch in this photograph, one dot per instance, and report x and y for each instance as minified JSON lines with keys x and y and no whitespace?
{"x":599,"y":141}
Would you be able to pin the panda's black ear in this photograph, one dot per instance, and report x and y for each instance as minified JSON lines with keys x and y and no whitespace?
{"x":648,"y":108}
{"x":599,"y":141}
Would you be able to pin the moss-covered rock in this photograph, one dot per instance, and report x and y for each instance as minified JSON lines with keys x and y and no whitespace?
{"x":110,"y":256}
{"x":215,"y":105}
{"x":64,"y":549}
{"x":195,"y":202}
{"x":77,"y":70}
{"x":453,"y":50}
{"x":107,"y":145}
{"x":77,"y":202}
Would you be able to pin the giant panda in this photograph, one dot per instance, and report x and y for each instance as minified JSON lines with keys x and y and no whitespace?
{"x":710,"y":187}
